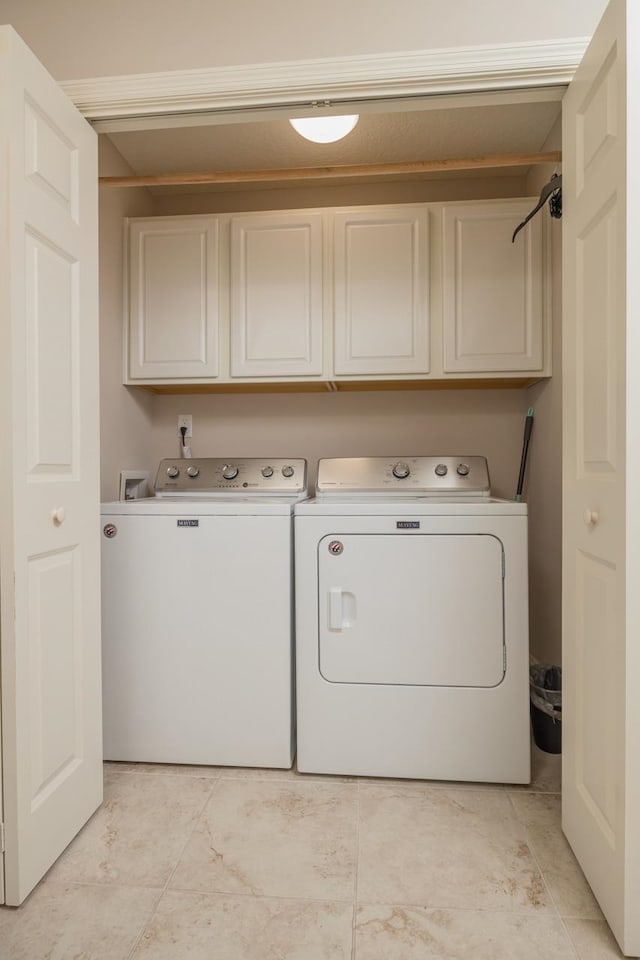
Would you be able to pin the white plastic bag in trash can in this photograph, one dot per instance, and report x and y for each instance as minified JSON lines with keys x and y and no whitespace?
{"x":545,"y":686}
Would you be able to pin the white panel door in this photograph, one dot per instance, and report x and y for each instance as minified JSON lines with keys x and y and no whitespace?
{"x":601,"y":505}
{"x":173,"y":298}
{"x":390,"y":609}
{"x":276,"y":295}
{"x":492,"y":289}
{"x":49,"y":493}
{"x":381,"y":276}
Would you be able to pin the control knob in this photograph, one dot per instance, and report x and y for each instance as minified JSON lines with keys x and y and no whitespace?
{"x":401,"y":470}
{"x":267,"y":471}
{"x":442,"y":470}
{"x":287,"y":470}
{"x":229,"y":471}
{"x":172,"y":472}
{"x":193,"y":472}
{"x":463,"y":470}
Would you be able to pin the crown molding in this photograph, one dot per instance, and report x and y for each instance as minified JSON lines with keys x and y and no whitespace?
{"x":305,"y":82}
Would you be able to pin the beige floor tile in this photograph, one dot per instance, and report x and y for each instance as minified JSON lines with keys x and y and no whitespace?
{"x":546,"y":772}
{"x":265,"y":773}
{"x":540,"y":815}
{"x":593,"y":940}
{"x":274,"y":838}
{"x":434,"y":784}
{"x":414,"y":933}
{"x":209,"y":927}
{"x":451,"y":848}
{"x":68,"y":921}
{"x":167,"y":769}
{"x":138,"y":834}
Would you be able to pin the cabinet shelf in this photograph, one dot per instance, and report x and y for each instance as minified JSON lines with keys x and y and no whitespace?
{"x":340,"y":386}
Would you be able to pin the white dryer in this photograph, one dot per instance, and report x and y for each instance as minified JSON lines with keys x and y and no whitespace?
{"x":197,"y":601}
{"x":412,"y":623}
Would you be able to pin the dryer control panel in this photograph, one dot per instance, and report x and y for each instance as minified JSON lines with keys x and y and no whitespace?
{"x":404,"y":476}
{"x":212,"y":476}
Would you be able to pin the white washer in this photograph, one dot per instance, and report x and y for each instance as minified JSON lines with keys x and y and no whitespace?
{"x":412,"y":623}
{"x":197,"y":600}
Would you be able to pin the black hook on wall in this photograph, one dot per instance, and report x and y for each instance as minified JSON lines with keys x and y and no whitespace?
{"x":552,"y":192}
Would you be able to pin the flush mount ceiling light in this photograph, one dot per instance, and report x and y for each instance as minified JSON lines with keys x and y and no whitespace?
{"x":324,"y":129}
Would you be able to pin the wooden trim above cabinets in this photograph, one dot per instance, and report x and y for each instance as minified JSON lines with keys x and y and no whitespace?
{"x":339,"y":386}
{"x":337,"y":172}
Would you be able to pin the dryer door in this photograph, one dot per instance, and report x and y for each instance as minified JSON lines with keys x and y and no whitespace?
{"x":417,"y":609}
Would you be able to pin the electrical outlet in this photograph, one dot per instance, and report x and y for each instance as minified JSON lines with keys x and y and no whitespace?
{"x":184,"y":420}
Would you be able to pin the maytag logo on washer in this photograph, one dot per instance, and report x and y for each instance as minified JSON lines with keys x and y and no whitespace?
{"x":188,"y":523}
{"x":109,"y":530}
{"x":336,"y":547}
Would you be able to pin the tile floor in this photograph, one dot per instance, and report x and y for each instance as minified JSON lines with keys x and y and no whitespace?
{"x":227,"y":864}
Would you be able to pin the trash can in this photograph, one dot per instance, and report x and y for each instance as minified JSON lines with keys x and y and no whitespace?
{"x":545,"y":686}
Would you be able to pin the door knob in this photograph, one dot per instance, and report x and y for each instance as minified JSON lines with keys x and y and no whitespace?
{"x":590,"y":517}
{"x":57,"y":515}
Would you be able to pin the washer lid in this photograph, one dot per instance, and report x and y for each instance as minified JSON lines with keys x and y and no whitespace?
{"x":201,"y":507}
{"x":408,"y":507}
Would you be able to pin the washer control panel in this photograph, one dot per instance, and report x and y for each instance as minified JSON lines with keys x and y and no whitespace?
{"x":247,"y":476}
{"x":408,"y":476}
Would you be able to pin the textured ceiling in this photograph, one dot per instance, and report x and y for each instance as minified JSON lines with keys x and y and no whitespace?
{"x":378,"y":138}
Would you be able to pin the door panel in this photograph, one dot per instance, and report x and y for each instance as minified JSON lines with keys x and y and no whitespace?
{"x":381,"y":291}
{"x":423,"y":610}
{"x":597,"y":414}
{"x":492,"y":290}
{"x":276,"y":295}
{"x":51,"y":159}
{"x":51,"y":288}
{"x":601,"y":566}
{"x":49,"y":536}
{"x":55,"y":672}
{"x":173,"y":298}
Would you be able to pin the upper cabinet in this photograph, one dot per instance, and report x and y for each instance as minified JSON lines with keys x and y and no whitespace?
{"x":381,"y":291}
{"x":173,"y":298}
{"x":493,"y":290}
{"x":276,"y":295}
{"x":415,"y":292}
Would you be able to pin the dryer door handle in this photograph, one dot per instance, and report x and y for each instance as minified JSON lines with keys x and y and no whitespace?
{"x":342,"y":608}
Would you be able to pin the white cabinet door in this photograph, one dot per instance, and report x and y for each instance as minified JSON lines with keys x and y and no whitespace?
{"x":601,"y":454}
{"x":173,"y":298}
{"x":276,"y":295}
{"x":493,"y":291}
{"x":381,"y":271}
{"x":49,"y":483}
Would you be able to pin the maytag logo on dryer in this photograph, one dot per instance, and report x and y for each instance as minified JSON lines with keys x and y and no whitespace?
{"x":188,"y":523}
{"x":407,"y":524}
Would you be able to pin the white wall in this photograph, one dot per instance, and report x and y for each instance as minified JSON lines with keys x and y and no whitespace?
{"x":125,"y":415}
{"x":390,"y":423}
{"x":283,"y":198}
{"x":90,"y":38}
